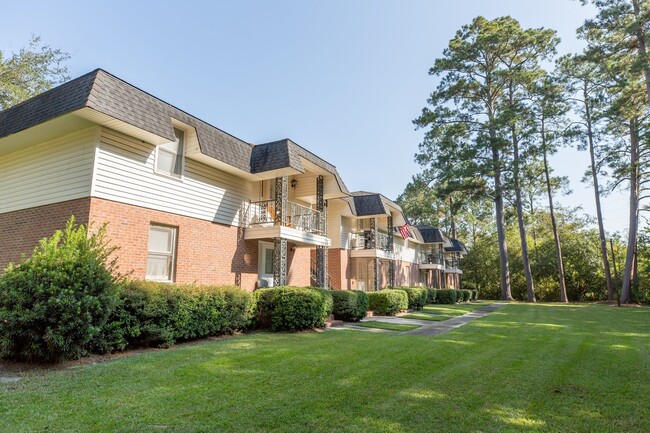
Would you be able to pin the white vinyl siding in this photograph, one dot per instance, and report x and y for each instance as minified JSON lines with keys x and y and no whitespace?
{"x":161,"y":253}
{"x":50,"y":172}
{"x":125,"y":173}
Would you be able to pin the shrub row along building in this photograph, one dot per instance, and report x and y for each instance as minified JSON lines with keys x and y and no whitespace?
{"x":189,"y":203}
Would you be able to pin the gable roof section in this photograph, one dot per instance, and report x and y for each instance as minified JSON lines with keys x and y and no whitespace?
{"x":431,"y":235}
{"x":111,"y":96}
{"x":366,"y":204}
{"x":286,"y":153}
{"x":457,"y":247}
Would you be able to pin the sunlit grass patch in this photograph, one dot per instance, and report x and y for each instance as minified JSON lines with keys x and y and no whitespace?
{"x":401,"y":327}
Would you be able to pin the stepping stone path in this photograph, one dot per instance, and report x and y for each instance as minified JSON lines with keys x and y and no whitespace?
{"x":427,"y":327}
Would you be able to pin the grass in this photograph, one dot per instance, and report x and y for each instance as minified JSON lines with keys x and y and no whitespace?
{"x":454,"y":309}
{"x":425,"y":316}
{"x":523,"y":368}
{"x":385,"y":325}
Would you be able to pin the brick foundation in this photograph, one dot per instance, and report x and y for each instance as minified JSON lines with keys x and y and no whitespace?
{"x":21,"y":230}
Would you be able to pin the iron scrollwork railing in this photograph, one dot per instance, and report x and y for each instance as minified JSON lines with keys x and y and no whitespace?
{"x":296,"y":215}
{"x":368,"y":241}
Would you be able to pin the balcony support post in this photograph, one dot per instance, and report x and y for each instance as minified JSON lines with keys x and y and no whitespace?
{"x":376,"y":272}
{"x":391,"y":248}
{"x":279,"y":262}
{"x":281,"y":199}
{"x":321,"y":251}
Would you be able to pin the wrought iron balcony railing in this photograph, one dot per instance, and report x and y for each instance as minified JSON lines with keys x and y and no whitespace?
{"x":368,"y":241}
{"x":264,"y":213}
{"x":432,"y":258}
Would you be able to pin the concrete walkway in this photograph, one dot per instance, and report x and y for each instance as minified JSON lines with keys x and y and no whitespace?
{"x":437,"y":328}
{"x":427,"y":327}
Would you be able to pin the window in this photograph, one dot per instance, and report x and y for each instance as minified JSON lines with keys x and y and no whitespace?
{"x":169,"y":156}
{"x":162,"y":251}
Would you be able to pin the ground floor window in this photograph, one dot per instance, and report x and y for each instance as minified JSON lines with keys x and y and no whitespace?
{"x":161,"y":253}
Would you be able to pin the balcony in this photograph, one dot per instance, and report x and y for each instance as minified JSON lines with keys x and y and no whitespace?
{"x":432,"y":260}
{"x":300,"y":224}
{"x":452,"y":266}
{"x":371,"y":243}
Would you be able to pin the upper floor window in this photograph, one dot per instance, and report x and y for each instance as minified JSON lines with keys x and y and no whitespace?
{"x":169,"y":156}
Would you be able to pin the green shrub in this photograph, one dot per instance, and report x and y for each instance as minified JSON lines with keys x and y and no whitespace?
{"x":154,"y":314}
{"x":474,"y":295}
{"x":55,"y":303}
{"x":467,"y":295}
{"x":417,"y":297}
{"x":388,"y":302}
{"x":460,"y":296}
{"x":350,"y":305}
{"x":293,"y":308}
{"x":431,"y":295}
{"x":446,"y":296}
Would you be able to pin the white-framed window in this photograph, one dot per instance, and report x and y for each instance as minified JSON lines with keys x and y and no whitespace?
{"x":161,"y":253}
{"x":170,"y":157}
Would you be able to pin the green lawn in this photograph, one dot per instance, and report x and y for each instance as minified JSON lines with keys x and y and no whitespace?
{"x":455,"y":309}
{"x":385,"y":325}
{"x":426,"y":316}
{"x":523,"y":368}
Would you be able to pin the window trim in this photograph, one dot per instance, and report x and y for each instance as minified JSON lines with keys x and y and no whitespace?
{"x":183,"y":141}
{"x":172,"y":255}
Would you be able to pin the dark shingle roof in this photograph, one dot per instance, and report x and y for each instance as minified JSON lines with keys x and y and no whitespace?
{"x":120,"y":100}
{"x":458,"y":247}
{"x":53,"y":103}
{"x":286,"y":153}
{"x":370,"y":204}
{"x":431,"y":235}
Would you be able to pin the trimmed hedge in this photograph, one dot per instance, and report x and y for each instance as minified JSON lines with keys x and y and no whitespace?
{"x":349,"y":305}
{"x":467,"y":295}
{"x":292,"y":308}
{"x":417,"y":297}
{"x":460,"y":296}
{"x":153,"y":314}
{"x":446,"y":296}
{"x":388,"y":302}
{"x":474,"y":295}
{"x":431,"y":295}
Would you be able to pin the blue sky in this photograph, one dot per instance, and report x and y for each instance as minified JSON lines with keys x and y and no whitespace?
{"x":344,"y":79}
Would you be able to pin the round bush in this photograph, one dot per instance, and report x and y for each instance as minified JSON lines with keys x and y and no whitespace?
{"x":293,"y":308}
{"x":350,"y":305}
{"x":460,"y":296}
{"x":474,"y":295}
{"x":417,"y":297}
{"x":431,"y":295}
{"x":467,"y":295}
{"x":388,"y":302}
{"x":446,"y":296}
{"x":55,"y":303}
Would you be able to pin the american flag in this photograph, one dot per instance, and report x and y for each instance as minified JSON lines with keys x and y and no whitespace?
{"x":404,"y":231}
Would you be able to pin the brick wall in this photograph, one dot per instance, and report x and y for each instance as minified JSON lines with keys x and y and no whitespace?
{"x":21,"y":230}
{"x":206,"y":252}
{"x":340,"y":268}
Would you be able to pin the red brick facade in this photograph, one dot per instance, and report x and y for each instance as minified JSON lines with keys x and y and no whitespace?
{"x":21,"y":230}
{"x":206,"y":252}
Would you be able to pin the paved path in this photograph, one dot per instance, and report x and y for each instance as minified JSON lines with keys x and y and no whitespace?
{"x":427,"y":327}
{"x":437,"y":328}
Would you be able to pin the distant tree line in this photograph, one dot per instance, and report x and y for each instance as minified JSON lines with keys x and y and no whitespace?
{"x":496,"y":116}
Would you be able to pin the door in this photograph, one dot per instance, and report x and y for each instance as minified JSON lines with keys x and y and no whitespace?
{"x":265,"y":271}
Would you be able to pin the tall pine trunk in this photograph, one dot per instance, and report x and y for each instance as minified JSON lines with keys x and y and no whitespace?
{"x":556,"y":236}
{"x":530,"y":289}
{"x":599,"y":211}
{"x":626,"y":292}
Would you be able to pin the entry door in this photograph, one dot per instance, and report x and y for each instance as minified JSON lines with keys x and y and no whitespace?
{"x":361,"y":276}
{"x":265,"y":272}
